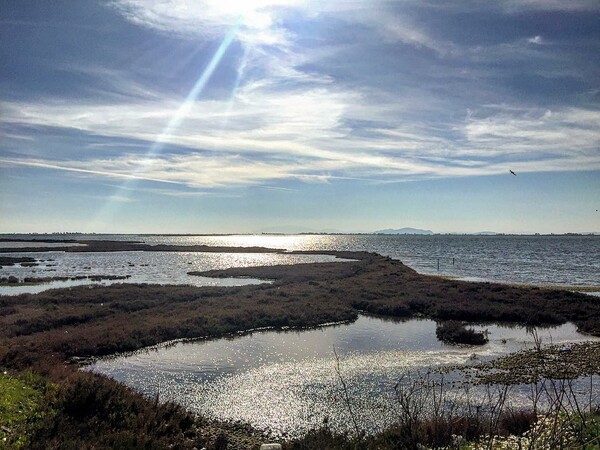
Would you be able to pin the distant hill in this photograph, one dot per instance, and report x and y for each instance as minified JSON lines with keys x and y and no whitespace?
{"x":406,"y":230}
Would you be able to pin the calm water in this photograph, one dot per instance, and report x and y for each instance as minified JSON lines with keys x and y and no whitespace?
{"x":143,"y":267}
{"x":287,"y":383}
{"x":560,"y":260}
{"x":38,"y":244}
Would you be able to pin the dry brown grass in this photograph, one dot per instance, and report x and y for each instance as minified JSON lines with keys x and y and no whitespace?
{"x":86,"y":321}
{"x":41,"y":331}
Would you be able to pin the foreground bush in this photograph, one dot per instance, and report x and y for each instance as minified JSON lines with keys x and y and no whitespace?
{"x":22,"y":406}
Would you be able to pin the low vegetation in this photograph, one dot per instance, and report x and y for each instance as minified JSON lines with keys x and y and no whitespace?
{"x":14,"y":281}
{"x":39,"y":332}
{"x":94,"y":411}
{"x":474,"y":410}
{"x":455,"y":332}
{"x":511,"y":430}
{"x":23,"y":401}
{"x":384,"y":286}
{"x":12,"y":260}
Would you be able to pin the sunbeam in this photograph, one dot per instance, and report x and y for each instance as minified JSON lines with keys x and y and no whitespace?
{"x":185,"y":107}
{"x":240,"y":74}
{"x":110,"y":207}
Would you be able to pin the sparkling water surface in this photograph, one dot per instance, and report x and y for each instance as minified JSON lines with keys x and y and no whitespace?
{"x":10,"y":244}
{"x":555,"y":260}
{"x":144,"y":267}
{"x":288,"y":382}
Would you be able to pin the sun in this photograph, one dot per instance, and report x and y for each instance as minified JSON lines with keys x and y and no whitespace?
{"x":254,"y":16}
{"x":244,"y":7}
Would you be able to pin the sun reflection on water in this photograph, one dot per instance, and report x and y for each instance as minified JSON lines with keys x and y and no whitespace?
{"x":288,"y":242}
{"x":286,"y":382}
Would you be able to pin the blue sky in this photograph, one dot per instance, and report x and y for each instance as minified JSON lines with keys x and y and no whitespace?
{"x":241,"y":116}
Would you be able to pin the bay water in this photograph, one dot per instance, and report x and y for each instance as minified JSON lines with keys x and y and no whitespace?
{"x":541,"y":260}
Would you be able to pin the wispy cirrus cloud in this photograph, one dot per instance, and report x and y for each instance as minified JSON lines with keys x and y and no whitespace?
{"x":293,"y":116}
{"x":277,"y":142}
{"x":511,"y":5}
{"x":552,"y":5}
{"x":262,"y":19}
{"x":78,"y":167}
{"x":568,"y":133}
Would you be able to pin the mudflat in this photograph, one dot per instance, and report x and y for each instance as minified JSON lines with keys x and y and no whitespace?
{"x":123,"y":246}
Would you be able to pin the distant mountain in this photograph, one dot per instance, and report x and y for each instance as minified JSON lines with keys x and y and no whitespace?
{"x":406,"y":230}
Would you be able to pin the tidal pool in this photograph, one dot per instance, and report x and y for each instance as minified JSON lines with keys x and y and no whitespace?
{"x":286,"y":383}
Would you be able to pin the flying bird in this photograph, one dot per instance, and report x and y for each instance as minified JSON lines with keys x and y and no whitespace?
{"x":512,"y":172}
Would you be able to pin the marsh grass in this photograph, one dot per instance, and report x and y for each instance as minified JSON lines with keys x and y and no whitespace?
{"x":455,"y":332}
{"x":433,"y":414}
{"x":39,"y":332}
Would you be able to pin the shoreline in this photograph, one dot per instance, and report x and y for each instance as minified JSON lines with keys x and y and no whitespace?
{"x":315,"y":233}
{"x":39,"y":281}
{"x":89,"y":246}
{"x":553,"y":287}
{"x":100,"y":246}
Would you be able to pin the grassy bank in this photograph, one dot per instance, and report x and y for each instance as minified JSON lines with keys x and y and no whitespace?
{"x":39,"y":332}
{"x":23,"y":404}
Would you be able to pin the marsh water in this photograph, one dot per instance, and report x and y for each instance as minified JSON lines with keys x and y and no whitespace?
{"x":287,"y":383}
{"x":554,"y":260}
{"x":142,"y":267}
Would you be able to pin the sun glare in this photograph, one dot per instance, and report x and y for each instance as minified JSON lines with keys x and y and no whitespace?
{"x":247,"y":6}
{"x":255,"y":13}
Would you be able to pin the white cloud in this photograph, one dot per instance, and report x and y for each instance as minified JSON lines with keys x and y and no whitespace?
{"x":289,"y":123}
{"x":79,"y":167}
{"x":538,"y":40}
{"x":552,"y":5}
{"x":566,"y":139}
{"x":260,"y":19}
{"x":284,"y":136}
{"x":395,"y":27}
{"x":210,"y":18}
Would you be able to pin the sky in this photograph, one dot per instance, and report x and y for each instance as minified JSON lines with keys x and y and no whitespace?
{"x":217,"y":116}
